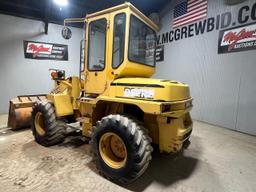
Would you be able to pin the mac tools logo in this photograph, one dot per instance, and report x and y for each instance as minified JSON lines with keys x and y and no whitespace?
{"x":46,"y":51}
{"x":38,"y":48}
{"x":237,"y":39}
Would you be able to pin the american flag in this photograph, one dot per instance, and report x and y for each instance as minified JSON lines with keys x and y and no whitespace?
{"x":189,"y":11}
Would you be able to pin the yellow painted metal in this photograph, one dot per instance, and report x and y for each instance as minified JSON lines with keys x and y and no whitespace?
{"x":73,"y":20}
{"x":166,"y":104}
{"x":113,"y":150}
{"x":166,"y":109}
{"x":122,"y":7}
{"x":146,"y":106}
{"x":150,"y":122}
{"x":75,"y":92}
{"x":173,"y":132}
{"x":98,"y":81}
{"x":76,"y":87}
{"x":162,"y":90}
{"x":65,"y":96}
{"x":39,"y":123}
{"x":151,"y":106}
{"x":62,"y":104}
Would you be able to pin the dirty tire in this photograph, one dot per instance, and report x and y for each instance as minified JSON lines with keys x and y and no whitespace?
{"x":54,"y":130}
{"x":136,"y":141}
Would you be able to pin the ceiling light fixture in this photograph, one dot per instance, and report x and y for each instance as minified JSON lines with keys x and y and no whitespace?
{"x":61,"y":2}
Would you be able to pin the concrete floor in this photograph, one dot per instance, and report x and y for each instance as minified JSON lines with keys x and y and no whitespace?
{"x":217,"y":160}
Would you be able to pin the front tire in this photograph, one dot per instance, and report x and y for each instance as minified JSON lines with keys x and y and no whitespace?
{"x":46,"y":129}
{"x":121,"y":148}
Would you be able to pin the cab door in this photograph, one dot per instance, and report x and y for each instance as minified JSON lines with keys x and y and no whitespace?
{"x":97,"y":57}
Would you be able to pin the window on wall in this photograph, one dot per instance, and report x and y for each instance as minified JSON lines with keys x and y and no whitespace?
{"x":97,"y":45}
{"x":118,"y":40}
{"x":142,"y":42}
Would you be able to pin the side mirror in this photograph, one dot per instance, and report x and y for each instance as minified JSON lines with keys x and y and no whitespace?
{"x":66,"y":33}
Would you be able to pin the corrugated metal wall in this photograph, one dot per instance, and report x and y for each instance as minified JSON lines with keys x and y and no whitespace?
{"x":223,"y":85}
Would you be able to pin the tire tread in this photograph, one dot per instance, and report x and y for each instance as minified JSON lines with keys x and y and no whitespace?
{"x":54,"y":130}
{"x":138,"y":136}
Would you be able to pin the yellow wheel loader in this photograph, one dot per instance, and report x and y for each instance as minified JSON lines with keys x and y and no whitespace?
{"x":115,"y":103}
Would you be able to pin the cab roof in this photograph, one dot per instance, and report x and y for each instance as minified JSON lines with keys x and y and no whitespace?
{"x":124,"y":6}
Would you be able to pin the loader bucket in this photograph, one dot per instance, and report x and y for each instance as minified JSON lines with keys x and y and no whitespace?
{"x":20,"y":110}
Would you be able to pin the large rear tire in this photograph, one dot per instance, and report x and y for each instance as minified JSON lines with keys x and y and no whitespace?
{"x":121,"y":148}
{"x":45,"y":127}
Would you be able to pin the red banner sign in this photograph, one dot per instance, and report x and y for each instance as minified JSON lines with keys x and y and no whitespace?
{"x":49,"y":51}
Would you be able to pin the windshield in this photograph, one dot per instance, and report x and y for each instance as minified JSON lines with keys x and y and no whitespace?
{"x":142,"y":42}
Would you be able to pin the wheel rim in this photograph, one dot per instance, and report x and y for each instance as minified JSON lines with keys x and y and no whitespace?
{"x":113,"y":150}
{"x":39,"y":123}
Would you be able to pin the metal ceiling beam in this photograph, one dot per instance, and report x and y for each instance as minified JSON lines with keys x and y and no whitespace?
{"x":19,"y":10}
{"x":17,"y":5}
{"x":46,"y":15}
{"x":84,"y":5}
{"x":40,"y":9}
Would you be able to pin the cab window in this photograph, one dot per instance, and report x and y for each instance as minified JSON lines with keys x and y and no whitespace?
{"x":118,"y":40}
{"x":97,"y":45}
{"x":142,"y":42}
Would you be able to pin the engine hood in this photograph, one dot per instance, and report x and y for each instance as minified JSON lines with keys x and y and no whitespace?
{"x":149,"y":89}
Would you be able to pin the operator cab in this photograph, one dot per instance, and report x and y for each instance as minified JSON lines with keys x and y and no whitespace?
{"x":141,"y":42}
{"x":120,"y":42}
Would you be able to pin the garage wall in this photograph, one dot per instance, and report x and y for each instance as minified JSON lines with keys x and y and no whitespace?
{"x":20,"y":76}
{"x":222,"y":85}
